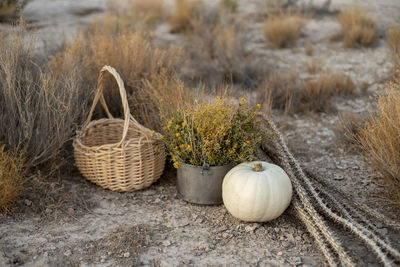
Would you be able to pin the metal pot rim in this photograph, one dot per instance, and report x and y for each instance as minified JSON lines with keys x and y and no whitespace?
{"x":201,"y":167}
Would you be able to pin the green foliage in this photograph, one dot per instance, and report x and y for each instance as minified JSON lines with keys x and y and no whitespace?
{"x":218,"y":134}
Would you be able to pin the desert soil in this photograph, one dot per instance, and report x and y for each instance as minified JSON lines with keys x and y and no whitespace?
{"x":77,"y":223}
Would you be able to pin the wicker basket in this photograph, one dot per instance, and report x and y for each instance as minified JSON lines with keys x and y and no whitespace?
{"x":120,"y":155}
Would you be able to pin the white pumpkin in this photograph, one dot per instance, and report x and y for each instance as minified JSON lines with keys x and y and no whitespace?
{"x":256,"y":191}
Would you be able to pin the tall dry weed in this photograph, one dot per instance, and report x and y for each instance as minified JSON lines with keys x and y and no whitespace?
{"x":133,"y":55}
{"x":291,"y":94}
{"x":358,"y":28}
{"x":10,"y":8}
{"x":181,"y":20}
{"x":283,"y":29}
{"x":393,"y":39}
{"x":380,"y":136}
{"x":149,"y":11}
{"x":217,"y":51}
{"x":39,"y":109}
{"x":11,"y":177}
{"x":134,"y":14}
{"x":348,"y":128}
{"x":229,"y":5}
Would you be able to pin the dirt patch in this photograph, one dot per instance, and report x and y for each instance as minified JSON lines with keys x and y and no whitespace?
{"x":65,"y":220}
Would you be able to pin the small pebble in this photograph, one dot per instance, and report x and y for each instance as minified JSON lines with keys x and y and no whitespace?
{"x":295,"y":261}
{"x":126,"y":255}
{"x":67,"y":253}
{"x":251,"y":228}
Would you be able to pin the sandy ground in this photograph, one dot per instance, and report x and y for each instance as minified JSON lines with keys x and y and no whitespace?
{"x":80,"y":224}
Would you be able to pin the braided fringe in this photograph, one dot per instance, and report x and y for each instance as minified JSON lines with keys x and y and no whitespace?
{"x":315,"y":232}
{"x":350,"y":209}
{"x":368,"y":236}
{"x":318,"y":221}
{"x":379,"y":216}
{"x":351,"y":225}
{"x":343,"y":202}
{"x":375,"y":235}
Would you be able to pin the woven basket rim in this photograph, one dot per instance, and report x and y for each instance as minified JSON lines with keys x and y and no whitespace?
{"x":133,"y":162}
{"x":156,"y":137}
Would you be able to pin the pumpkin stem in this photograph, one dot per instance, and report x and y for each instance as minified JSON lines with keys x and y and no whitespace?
{"x":258,"y":167}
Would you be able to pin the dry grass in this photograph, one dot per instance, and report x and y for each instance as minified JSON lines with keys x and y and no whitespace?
{"x":348,"y":128}
{"x":279,"y":90}
{"x":309,"y":50}
{"x":135,"y":58}
{"x":291,"y":95}
{"x":149,"y":11}
{"x":181,"y":19}
{"x":314,"y":66}
{"x":316,"y":94}
{"x":216,"y":49}
{"x":229,"y":5}
{"x":136,"y":15}
{"x":393,"y":39}
{"x":358,"y":28}
{"x":10,"y":8}
{"x":39,"y":109}
{"x":11,"y":177}
{"x":380,"y":136}
{"x":283,"y":30}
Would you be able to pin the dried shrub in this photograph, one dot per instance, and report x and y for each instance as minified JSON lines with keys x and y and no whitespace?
{"x":229,"y":5}
{"x":380,"y":136}
{"x":292,"y":95}
{"x":134,"y":57}
{"x":309,"y":50}
{"x":135,"y":15}
{"x":314,"y":66}
{"x":10,"y":8}
{"x":283,"y":30}
{"x":348,"y":128}
{"x":358,"y":28}
{"x":11,"y":177}
{"x":149,"y":11}
{"x":39,"y":109}
{"x":181,"y":19}
{"x":316,"y":93}
{"x":216,"y":49}
{"x":272,"y":7}
{"x":279,"y":90}
{"x":393,"y":39}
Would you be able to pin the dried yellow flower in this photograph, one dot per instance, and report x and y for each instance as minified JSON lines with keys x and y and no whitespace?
{"x":217,"y":133}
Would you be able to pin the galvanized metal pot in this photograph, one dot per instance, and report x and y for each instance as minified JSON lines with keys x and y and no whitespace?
{"x":201,"y":184}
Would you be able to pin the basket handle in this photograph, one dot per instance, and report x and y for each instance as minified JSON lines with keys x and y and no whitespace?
{"x":99,"y":96}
